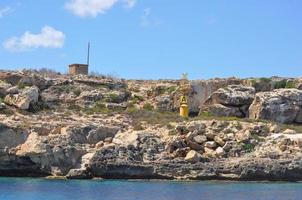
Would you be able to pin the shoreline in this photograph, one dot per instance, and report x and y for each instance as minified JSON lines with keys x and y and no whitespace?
{"x":155,"y":180}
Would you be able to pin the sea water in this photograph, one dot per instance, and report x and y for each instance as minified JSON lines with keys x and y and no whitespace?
{"x":43,"y":189}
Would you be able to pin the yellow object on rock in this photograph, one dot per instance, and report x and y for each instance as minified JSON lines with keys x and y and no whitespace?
{"x":184,"y":110}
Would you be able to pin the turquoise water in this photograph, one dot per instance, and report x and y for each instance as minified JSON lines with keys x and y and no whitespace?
{"x":41,"y":189}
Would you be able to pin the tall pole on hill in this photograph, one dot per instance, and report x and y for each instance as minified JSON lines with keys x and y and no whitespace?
{"x":88,"y":53}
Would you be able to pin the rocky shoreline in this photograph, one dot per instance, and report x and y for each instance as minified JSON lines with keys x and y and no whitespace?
{"x":99,"y":127}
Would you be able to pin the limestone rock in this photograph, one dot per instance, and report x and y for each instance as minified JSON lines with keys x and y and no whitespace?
{"x":164,"y":103}
{"x":193,"y":156}
{"x":219,"y":140}
{"x":3,"y":88}
{"x":232,"y":95}
{"x":210,"y":144}
{"x":232,"y":100}
{"x":23,"y":100}
{"x":243,"y":136}
{"x":219,"y":151}
{"x":289,"y":131}
{"x":200,"y":139}
{"x":281,"y":105}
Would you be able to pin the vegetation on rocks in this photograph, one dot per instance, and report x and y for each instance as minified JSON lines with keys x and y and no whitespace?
{"x":95,"y":126}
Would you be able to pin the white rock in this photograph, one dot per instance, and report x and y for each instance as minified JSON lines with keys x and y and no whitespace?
{"x":210,"y":144}
{"x":193,"y":156}
{"x":200,"y":139}
{"x":219,"y":151}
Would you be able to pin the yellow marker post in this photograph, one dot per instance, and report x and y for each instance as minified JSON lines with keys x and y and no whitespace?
{"x":184,"y":108}
{"x":184,"y":90}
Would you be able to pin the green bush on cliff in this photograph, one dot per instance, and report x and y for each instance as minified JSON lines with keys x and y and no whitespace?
{"x":148,"y":106}
{"x":248,"y":147}
{"x":152,"y":117}
{"x":23,"y":85}
{"x":113,"y":98}
{"x":280,"y":84}
{"x":290,"y":84}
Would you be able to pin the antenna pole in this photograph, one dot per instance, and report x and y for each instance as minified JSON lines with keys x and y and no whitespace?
{"x":88,"y":53}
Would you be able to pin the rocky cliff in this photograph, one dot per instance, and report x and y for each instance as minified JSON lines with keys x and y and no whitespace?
{"x":95,"y":126}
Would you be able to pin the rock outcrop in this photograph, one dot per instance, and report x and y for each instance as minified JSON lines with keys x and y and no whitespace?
{"x":28,"y":96}
{"x":233,"y":100}
{"x":282,"y":105}
{"x":96,"y":126}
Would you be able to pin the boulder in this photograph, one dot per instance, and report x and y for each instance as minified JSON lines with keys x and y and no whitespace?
{"x":232,"y":95}
{"x":10,"y":77}
{"x":210,"y":144}
{"x":194,"y":146}
{"x":23,"y":100}
{"x":200,"y":139}
{"x":232,"y":100}
{"x":281,"y":105}
{"x":201,"y":89}
{"x":243,"y":136}
{"x":193,"y":156}
{"x":101,"y":133}
{"x":196,"y":126}
{"x":3,"y":88}
{"x":219,"y":151}
{"x":219,"y":140}
{"x":164,"y":103}
{"x":34,"y":80}
{"x":289,"y":131}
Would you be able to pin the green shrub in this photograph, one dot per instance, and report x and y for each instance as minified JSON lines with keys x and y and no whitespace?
{"x":248,"y":147}
{"x":66,"y":88}
{"x":290,"y":84}
{"x":205,"y":114}
{"x":265,"y":80}
{"x":152,"y":117}
{"x":137,"y":126}
{"x":112,"y":97}
{"x":77,"y":92}
{"x":148,"y":106}
{"x":280,"y":84}
{"x":137,"y":98}
{"x":98,"y":108}
{"x":23,"y":85}
{"x":171,"y":89}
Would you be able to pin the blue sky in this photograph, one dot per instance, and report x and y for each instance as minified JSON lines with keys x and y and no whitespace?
{"x":153,"y":39}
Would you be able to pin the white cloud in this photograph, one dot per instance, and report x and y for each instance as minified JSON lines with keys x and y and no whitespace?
{"x":5,"y":11}
{"x":145,"y":21}
{"x":148,"y":20}
{"x":48,"y":38}
{"x":92,"y":8}
{"x":130,"y":3}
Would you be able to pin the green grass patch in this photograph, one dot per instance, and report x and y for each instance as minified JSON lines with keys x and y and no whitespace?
{"x":248,"y":147}
{"x":296,"y":127}
{"x":152,"y":117}
{"x":280,"y":84}
{"x":23,"y":85}
{"x":148,"y":106}
{"x":290,"y":84}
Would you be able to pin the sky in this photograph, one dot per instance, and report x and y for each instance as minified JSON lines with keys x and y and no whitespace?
{"x":155,"y":39}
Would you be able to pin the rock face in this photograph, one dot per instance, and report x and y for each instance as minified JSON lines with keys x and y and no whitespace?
{"x":23,"y":100}
{"x":282,"y":105}
{"x":201,"y":90}
{"x":96,"y":126}
{"x":232,"y":100}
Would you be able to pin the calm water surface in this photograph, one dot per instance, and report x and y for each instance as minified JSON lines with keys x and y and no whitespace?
{"x":41,"y":189}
